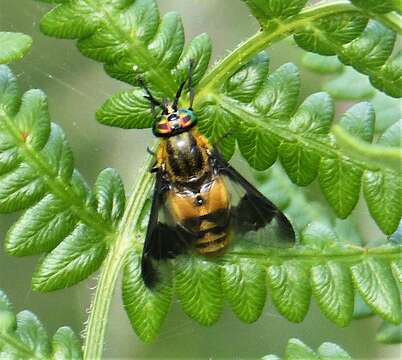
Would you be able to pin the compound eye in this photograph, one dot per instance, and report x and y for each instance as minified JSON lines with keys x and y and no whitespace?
{"x":163,"y":126}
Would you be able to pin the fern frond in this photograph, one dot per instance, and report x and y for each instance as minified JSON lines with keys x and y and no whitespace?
{"x":367,"y":49}
{"x":324,"y":266}
{"x":13,"y":46}
{"x":296,"y":350}
{"x":62,"y":218}
{"x":23,"y":336}
{"x":131,"y":39}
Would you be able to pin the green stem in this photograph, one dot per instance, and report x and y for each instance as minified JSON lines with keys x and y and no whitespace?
{"x":110,"y":270}
{"x":391,"y":20}
{"x":355,"y":255}
{"x":282,"y":132}
{"x":260,"y":41}
{"x":272,"y":32}
{"x":377,"y":155}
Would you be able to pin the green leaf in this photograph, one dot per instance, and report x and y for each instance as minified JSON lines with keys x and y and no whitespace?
{"x":389,"y":79}
{"x":199,"y":50}
{"x":243,"y":284}
{"x":37,"y":175}
{"x":321,"y":64}
{"x":78,"y":256}
{"x":389,"y":333}
{"x":387,"y":110}
{"x":118,"y":111}
{"x":146,"y":309}
{"x":330,"y":351}
{"x":271,"y":9}
{"x":290,"y":289}
{"x":313,"y":118}
{"x":24,"y":337}
{"x":385,"y":187}
{"x":198,"y":288}
{"x":131,"y":39}
{"x":373,"y":48}
{"x":297,"y":350}
{"x":376,"y":285}
{"x":32,"y":334}
{"x":244,"y":85}
{"x":369,"y":52}
{"x":318,"y":236}
{"x":8,"y":320}
{"x":20,"y":189}
{"x":339,"y":177}
{"x":386,"y":157}
{"x":66,"y":345}
{"x":359,"y":121}
{"x":333,"y":290}
{"x":350,"y":85}
{"x":378,"y":7}
{"x":13,"y":46}
{"x":324,"y":35}
{"x":279,"y":97}
{"x":168,"y":43}
{"x":397,"y":270}
{"x":340,"y":183}
{"x":216,"y":123}
{"x":41,"y":228}
{"x":67,"y":21}
{"x":109,"y":192}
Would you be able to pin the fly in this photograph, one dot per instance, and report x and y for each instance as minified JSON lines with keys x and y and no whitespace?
{"x":193,"y":206}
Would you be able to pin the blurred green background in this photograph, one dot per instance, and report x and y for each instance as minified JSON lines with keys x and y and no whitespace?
{"x":76,"y":87}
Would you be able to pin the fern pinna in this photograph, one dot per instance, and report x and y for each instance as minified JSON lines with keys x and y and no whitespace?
{"x":79,"y":228}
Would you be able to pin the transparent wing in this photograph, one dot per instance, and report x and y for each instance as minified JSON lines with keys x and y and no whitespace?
{"x":254,"y":218}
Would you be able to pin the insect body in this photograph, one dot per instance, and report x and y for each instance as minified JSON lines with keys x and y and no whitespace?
{"x":193,"y":204}
{"x":197,"y":199}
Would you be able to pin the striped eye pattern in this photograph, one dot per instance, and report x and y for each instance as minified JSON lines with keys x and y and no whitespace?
{"x":175,"y":123}
{"x":163,"y":128}
{"x":187,"y":118}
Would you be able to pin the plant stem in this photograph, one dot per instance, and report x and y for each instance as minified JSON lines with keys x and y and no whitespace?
{"x":276,"y":30}
{"x":391,"y":20}
{"x":269,"y":34}
{"x":97,"y":322}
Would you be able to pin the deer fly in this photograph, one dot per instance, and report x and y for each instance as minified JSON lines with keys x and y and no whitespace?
{"x":193,"y":206}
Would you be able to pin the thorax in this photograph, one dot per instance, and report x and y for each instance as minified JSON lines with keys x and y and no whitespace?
{"x":185,"y":157}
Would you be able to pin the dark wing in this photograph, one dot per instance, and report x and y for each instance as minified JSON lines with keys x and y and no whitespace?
{"x":162,"y":241}
{"x":253,"y":212}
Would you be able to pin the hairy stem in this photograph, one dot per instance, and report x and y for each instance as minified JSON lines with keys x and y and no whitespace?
{"x":110,"y":270}
{"x":273,"y":32}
